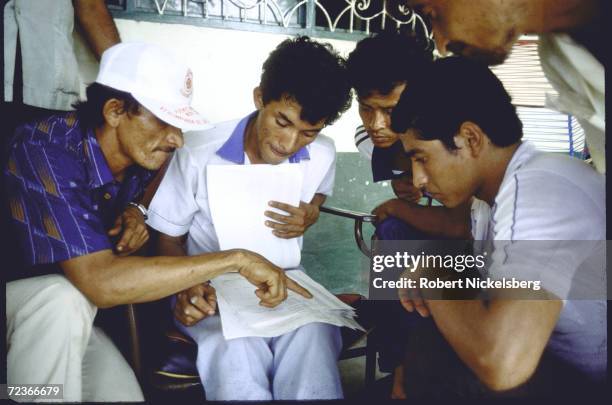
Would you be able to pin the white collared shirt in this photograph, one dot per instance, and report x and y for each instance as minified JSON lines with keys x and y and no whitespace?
{"x":180,"y":204}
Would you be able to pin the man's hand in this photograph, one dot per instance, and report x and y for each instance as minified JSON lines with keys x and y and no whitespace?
{"x":405,"y":189}
{"x":271,"y":281}
{"x":295,"y":224}
{"x":397,"y":391}
{"x":195,"y":303}
{"x":135,"y":233}
{"x":411,"y":298}
{"x":386,"y":209}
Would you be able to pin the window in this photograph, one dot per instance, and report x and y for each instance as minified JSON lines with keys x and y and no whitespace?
{"x":524,"y":79}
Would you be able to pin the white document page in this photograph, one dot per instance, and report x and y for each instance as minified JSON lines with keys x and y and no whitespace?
{"x":242,"y":316}
{"x":238,"y":196}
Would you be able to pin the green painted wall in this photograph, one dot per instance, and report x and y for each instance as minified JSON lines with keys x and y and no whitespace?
{"x":330,"y":254}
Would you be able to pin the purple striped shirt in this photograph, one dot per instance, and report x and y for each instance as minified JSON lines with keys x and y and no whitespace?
{"x":62,"y":196}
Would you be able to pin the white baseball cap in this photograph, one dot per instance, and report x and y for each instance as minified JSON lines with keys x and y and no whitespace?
{"x":156,"y":79}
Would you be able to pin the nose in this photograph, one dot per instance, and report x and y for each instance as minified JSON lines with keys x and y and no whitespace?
{"x":378,"y":121}
{"x":288,"y":141}
{"x":175,"y":137}
{"x":440,"y":40}
{"x":419,"y":178}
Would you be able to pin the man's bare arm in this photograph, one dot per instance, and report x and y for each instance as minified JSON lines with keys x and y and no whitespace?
{"x":109,"y":280}
{"x":502,"y":342}
{"x":97,"y":25}
{"x":452,"y":223}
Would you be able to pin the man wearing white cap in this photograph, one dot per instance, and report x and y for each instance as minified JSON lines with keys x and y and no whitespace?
{"x":73,"y":185}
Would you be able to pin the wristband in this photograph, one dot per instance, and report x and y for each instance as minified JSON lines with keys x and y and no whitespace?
{"x":140,"y":208}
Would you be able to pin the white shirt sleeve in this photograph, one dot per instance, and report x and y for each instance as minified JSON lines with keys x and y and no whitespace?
{"x":173,"y":206}
{"x":480,"y":216}
{"x":327,"y":184}
{"x":546,"y":228}
{"x":363,"y":142}
{"x":579,"y":80}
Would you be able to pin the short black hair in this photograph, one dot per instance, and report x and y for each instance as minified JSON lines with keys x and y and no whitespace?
{"x":381,"y":62}
{"x":90,"y":112}
{"x":452,"y":91}
{"x":312,"y":74}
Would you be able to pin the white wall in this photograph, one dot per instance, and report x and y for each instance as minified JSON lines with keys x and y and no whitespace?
{"x":226,"y":66}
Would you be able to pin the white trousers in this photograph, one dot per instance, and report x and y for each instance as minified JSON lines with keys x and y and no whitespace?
{"x":51,"y":340}
{"x":298,"y":365}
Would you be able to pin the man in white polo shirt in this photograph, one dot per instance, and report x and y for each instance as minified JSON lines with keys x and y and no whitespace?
{"x":547,"y":224}
{"x":303,"y":88}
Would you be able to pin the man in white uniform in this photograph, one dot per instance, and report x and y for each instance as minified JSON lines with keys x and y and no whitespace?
{"x":556,"y":344}
{"x":303,"y":88}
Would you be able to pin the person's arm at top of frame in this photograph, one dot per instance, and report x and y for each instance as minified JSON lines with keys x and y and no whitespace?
{"x":299,"y":219}
{"x":440,"y":221}
{"x":97,"y":25}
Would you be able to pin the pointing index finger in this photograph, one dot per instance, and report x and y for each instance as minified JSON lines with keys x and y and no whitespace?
{"x":294,"y":286}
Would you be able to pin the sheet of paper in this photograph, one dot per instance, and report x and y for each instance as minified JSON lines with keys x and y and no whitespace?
{"x":242,"y":316}
{"x":238,"y":196}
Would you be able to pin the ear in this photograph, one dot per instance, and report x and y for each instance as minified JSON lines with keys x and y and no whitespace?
{"x":404,"y":138}
{"x":258,"y":98}
{"x":113,"y":112}
{"x":471,"y":138}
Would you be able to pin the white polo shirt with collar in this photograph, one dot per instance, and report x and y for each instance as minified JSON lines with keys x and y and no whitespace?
{"x":180,"y":205}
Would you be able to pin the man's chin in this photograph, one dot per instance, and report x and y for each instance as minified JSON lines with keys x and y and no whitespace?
{"x":153,"y":164}
{"x":383,"y":145}
{"x":488,"y":58}
{"x":273,"y":159}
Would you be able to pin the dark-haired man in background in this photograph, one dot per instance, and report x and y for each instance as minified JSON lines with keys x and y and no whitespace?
{"x":380,"y":68}
{"x":551,"y":344}
{"x":73,"y":183}
{"x":303,"y":88}
{"x":378,"y":86}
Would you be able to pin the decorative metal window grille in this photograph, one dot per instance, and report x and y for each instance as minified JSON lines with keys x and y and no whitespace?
{"x":343,"y":19}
